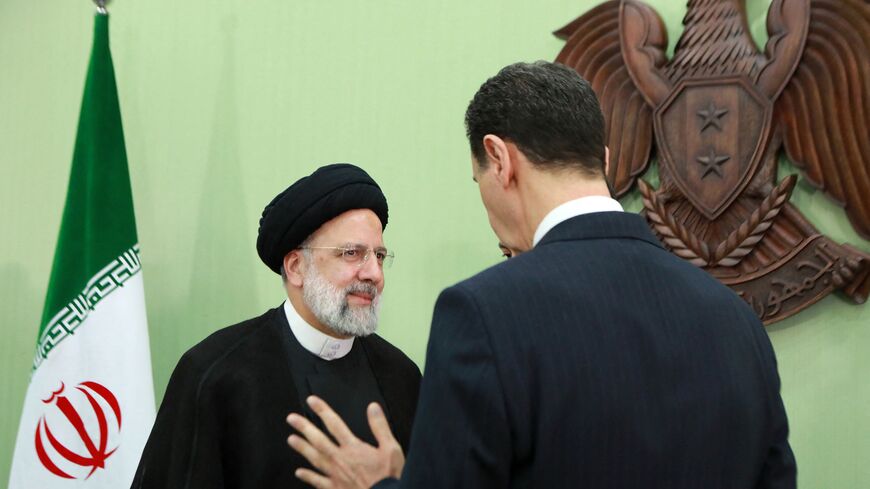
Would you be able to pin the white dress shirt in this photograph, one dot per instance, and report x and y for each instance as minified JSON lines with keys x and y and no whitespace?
{"x":573,"y":208}
{"x":314,"y":340}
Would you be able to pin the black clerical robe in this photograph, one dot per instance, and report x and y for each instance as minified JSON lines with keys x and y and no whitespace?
{"x":222,"y":421}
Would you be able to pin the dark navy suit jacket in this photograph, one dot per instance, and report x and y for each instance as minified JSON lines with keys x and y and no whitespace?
{"x":598,"y":360}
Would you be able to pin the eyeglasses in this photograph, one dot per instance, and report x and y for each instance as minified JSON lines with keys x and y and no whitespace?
{"x":358,"y":254}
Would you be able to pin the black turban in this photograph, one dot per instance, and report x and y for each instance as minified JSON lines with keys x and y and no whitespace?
{"x":303,"y":207}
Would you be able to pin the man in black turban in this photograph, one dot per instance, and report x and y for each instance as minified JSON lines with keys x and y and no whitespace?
{"x":221,"y":423}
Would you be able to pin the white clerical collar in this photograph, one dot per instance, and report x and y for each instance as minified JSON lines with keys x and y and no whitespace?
{"x":314,"y":340}
{"x":573,"y":208}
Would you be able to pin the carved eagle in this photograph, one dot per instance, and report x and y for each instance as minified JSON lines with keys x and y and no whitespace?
{"x":717,"y":114}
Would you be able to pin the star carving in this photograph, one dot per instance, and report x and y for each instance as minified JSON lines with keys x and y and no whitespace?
{"x":712,"y":163}
{"x":712,"y":116}
{"x":720,"y":97}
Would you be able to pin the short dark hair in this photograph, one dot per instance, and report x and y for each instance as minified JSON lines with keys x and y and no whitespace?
{"x":547,"y":109}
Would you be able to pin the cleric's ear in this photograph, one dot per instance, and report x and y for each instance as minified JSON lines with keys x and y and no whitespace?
{"x":294,"y":268}
{"x":606,"y":161}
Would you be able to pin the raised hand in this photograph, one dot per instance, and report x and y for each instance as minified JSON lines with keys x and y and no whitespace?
{"x":352,"y":463}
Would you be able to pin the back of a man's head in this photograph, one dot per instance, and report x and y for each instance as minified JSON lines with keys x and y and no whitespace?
{"x":546,"y":109}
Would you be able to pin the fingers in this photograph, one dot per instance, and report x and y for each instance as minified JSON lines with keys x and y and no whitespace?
{"x":312,"y":434}
{"x":331,"y":420}
{"x":310,"y":453}
{"x":379,"y":425}
{"x":313,"y":479}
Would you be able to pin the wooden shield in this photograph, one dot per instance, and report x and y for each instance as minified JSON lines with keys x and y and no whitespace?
{"x":711,"y":134}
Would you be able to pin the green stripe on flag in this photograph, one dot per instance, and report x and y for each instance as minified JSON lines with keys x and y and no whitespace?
{"x":98,"y":224}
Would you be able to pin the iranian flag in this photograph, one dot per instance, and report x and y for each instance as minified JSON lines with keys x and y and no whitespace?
{"x":90,"y":403}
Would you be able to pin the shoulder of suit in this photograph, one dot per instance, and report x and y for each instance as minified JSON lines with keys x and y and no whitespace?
{"x":500,"y":274}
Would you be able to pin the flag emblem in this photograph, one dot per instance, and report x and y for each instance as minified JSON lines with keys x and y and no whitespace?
{"x":88,"y":400}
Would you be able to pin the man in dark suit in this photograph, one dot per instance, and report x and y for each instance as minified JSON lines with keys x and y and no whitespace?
{"x":595,"y":359}
{"x":221,"y":421}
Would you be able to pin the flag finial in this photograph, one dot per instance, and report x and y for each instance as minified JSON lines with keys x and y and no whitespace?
{"x":101,"y":6}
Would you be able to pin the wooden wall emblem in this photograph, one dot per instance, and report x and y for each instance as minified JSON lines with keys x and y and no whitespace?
{"x":717,"y":113}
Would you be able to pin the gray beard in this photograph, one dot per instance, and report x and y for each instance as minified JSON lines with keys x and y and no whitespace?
{"x":329,"y":304}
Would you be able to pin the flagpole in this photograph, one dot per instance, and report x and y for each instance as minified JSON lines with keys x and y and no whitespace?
{"x":101,"y":7}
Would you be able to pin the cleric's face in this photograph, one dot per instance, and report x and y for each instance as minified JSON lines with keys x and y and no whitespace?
{"x":355,"y":228}
{"x":507,"y":251}
{"x":343,"y":276}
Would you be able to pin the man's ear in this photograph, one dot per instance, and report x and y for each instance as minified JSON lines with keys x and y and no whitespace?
{"x":606,"y":161}
{"x":500,"y":154}
{"x":294,"y":268}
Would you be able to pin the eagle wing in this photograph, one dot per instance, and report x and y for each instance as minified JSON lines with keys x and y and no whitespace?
{"x":593,"y":50}
{"x":824,"y":111}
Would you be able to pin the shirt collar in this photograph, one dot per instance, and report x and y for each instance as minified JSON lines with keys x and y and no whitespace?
{"x":314,"y":340}
{"x":573,"y":208}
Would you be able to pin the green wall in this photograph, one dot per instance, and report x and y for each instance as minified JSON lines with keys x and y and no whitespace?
{"x":225,"y":103}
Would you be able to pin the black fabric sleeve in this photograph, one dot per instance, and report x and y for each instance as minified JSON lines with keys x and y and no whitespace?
{"x":183,"y":450}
